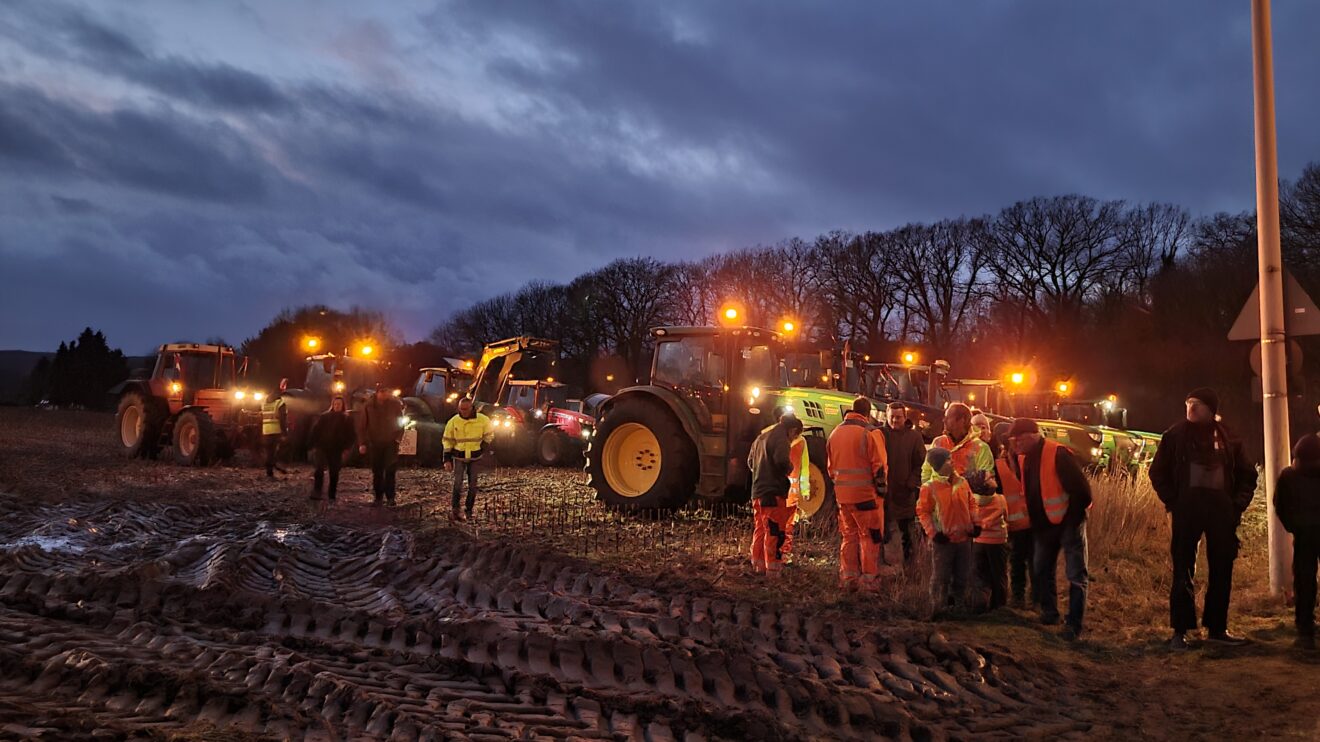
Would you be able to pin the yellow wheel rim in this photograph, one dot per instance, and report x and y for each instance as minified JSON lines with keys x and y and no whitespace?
{"x":130,"y":426}
{"x":808,"y":508}
{"x":632,"y":460}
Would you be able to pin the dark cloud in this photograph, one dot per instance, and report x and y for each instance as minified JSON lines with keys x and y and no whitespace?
{"x":417,"y":164}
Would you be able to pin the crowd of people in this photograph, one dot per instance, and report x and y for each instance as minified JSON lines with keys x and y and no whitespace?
{"x":993,"y":510}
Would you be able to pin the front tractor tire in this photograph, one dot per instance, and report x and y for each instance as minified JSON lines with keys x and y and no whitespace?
{"x":641,"y":458}
{"x":138,"y":426}
{"x":820,"y":507}
{"x":552,"y":448}
{"x":194,"y":439}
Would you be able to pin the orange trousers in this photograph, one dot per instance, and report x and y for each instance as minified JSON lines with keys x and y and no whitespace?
{"x":862,"y":528}
{"x":770,"y":531}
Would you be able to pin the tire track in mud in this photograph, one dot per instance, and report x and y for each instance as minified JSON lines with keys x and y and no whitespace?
{"x":130,"y":618}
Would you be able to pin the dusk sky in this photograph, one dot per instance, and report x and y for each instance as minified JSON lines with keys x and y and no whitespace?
{"x":175,"y":170}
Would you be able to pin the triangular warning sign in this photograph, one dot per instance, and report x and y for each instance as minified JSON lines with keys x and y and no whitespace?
{"x":1300,"y":315}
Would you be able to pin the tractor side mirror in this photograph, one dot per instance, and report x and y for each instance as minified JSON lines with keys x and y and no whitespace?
{"x":429,"y":376}
{"x":328,"y":366}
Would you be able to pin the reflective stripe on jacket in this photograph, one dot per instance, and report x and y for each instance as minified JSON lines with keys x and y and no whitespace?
{"x":272,"y":417}
{"x":946,"y":506}
{"x":857,"y":460}
{"x":465,"y":436}
{"x":1015,"y":499}
{"x":990,"y":517}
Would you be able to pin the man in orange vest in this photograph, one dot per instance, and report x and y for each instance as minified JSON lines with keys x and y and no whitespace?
{"x":1057,"y":493}
{"x":947,"y":513}
{"x":1020,"y":539}
{"x":771,"y":462}
{"x":856,"y":453}
{"x":970,"y":454}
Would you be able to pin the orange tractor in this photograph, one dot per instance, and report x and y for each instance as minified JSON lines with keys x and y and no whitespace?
{"x":193,"y":400}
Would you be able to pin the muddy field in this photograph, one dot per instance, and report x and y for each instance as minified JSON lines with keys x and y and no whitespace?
{"x":140,"y":600}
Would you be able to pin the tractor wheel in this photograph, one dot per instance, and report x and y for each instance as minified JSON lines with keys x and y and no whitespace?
{"x":194,"y":439}
{"x":641,"y":458}
{"x":551,"y":448}
{"x":138,"y":426}
{"x":820,"y":507}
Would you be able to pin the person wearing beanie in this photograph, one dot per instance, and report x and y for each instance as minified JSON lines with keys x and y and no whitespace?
{"x":947,"y":514}
{"x":1056,"y":494}
{"x":990,"y":550}
{"x":1297,"y":503}
{"x":1201,"y":474}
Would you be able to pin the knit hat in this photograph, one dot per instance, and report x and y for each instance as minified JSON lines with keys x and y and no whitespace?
{"x":1207,"y":395}
{"x":1001,"y":431}
{"x":937,"y":457}
{"x":1023,"y":426}
{"x":1307,"y":450}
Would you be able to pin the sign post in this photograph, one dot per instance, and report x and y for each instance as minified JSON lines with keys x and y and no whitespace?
{"x":1272,"y":332}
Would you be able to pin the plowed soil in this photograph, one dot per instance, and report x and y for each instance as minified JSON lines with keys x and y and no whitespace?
{"x":140,"y":600}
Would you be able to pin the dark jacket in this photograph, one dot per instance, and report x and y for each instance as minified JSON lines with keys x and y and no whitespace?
{"x":378,"y":422}
{"x":1070,"y":475}
{"x":332,"y":433}
{"x":771,"y":465}
{"x":906,"y":452}
{"x":1170,"y":471}
{"x":1297,"y":499}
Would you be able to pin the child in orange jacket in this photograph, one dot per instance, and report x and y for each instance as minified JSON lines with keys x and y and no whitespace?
{"x":946,"y":511}
{"x":990,"y":550}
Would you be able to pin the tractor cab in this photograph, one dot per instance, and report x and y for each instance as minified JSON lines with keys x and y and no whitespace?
{"x":809,"y":370}
{"x":438,"y":388}
{"x":351,"y":377}
{"x":920,"y":387}
{"x":514,"y":359}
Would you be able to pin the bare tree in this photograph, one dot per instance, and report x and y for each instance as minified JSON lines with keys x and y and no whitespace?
{"x":855,"y":277}
{"x":942,"y":269}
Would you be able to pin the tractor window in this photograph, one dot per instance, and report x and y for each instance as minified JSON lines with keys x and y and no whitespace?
{"x":320,"y":376}
{"x":228,"y":371}
{"x":555,"y":396}
{"x":434,"y":387}
{"x":490,"y":379}
{"x":691,"y":362}
{"x":196,"y":371}
{"x":535,"y":365}
{"x":359,"y":374}
{"x":521,"y":397}
{"x":759,"y":367}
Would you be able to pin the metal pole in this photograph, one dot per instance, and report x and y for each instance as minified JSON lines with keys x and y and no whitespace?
{"x":1273,"y":340}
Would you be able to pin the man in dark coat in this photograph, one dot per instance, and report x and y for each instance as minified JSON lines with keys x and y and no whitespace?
{"x":379,"y":431}
{"x":906,"y":452}
{"x":331,"y":436}
{"x":1204,"y":479}
{"x":1297,"y":503}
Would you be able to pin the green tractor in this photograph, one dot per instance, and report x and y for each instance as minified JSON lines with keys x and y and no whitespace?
{"x":712,"y":391}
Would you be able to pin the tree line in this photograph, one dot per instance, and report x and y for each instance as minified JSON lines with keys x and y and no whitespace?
{"x":1119,"y":297}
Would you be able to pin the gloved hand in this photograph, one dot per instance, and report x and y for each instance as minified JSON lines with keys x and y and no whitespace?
{"x":976,"y":531}
{"x":941,"y":538}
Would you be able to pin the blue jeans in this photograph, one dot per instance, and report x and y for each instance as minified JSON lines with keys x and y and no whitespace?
{"x":1070,"y":538}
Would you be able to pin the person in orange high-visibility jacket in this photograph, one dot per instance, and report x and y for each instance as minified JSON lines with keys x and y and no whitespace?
{"x":856,"y":453}
{"x":799,"y":488}
{"x":1058,"y":495}
{"x":771,"y":462}
{"x":1021,"y":541}
{"x":946,"y":511}
{"x":970,"y":453}
{"x":990,"y":550}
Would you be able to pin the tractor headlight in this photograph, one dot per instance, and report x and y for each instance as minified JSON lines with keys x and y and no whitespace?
{"x":586,"y":432}
{"x":240,"y":395}
{"x":258,"y":396}
{"x":1096,"y":453}
{"x":452,"y":397}
{"x":538,"y":414}
{"x":508,"y":423}
{"x":405,"y":421}
{"x":339,"y":386}
{"x":176,"y":387}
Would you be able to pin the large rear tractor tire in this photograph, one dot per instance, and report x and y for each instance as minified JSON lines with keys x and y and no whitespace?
{"x":194,"y":439}
{"x":820,"y":507}
{"x":641,"y":458}
{"x":138,"y":426}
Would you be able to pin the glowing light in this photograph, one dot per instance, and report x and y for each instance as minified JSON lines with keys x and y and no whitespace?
{"x":586,"y":433}
{"x":756,"y":392}
{"x":311,"y":343}
{"x":609,"y":377}
{"x":730,"y":313}
{"x":452,"y":397}
{"x":1063,"y":387}
{"x":176,"y":387}
{"x":971,"y":396}
{"x":339,"y":386}
{"x":1017,"y":377}
{"x":258,"y":396}
{"x":1113,"y":398}
{"x":788,"y":325}
{"x":240,"y":394}
{"x":366,"y":350}
{"x":909,"y":357}
{"x":397,"y":392}
{"x":467,"y":364}
{"x":550,"y":379}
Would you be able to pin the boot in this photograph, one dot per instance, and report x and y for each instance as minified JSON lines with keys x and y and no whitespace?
{"x":1179,"y":642}
{"x":1223,"y":637}
{"x":455,"y":515}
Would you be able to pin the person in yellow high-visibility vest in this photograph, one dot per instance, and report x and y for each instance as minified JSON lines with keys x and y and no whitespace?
{"x":467,"y":438}
{"x":274,"y":427}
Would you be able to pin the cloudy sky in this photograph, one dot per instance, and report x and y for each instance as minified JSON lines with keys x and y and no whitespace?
{"x":185,"y":169}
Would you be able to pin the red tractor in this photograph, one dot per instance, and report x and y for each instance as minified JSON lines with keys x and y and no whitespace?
{"x":193,"y":400}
